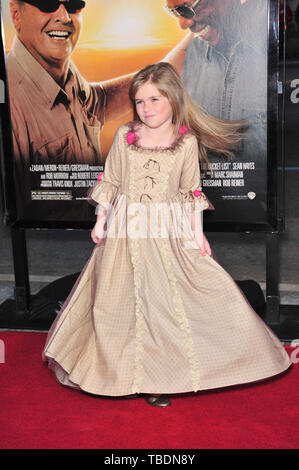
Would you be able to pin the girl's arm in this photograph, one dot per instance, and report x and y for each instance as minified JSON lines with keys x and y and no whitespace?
{"x":98,"y":232}
{"x":105,"y":190}
{"x":196,"y":225}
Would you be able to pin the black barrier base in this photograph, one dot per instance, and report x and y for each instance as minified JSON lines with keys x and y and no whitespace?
{"x":288,"y":327}
{"x":10,"y":320}
{"x":43,"y":307}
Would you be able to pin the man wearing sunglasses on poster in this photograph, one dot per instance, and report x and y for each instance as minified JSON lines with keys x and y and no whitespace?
{"x":56,"y":114}
{"x":225,"y":67}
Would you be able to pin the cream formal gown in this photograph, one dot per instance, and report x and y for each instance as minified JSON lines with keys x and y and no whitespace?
{"x":149,"y":313}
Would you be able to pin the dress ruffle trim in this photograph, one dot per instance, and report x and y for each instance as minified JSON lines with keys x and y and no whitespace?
{"x":103,"y":192}
{"x":135,"y":143}
{"x":135,"y":257}
{"x":181,"y":316}
{"x":199,"y":201}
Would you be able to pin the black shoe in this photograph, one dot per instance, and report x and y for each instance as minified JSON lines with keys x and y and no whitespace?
{"x":158,"y":400}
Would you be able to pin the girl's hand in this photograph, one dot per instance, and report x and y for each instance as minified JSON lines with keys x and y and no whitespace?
{"x":98,"y":233}
{"x":203,"y":244}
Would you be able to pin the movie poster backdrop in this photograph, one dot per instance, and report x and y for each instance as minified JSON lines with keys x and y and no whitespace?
{"x":224,"y":71}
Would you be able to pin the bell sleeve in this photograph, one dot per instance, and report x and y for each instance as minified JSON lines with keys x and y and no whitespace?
{"x":106,"y":189}
{"x":190,"y":184}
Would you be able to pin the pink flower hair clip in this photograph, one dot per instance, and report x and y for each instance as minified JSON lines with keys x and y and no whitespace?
{"x":183,"y":130}
{"x":100,"y":175}
{"x":131,"y":137}
{"x":197,"y":193}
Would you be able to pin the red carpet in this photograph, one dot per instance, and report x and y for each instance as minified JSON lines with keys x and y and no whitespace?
{"x":38,"y":413}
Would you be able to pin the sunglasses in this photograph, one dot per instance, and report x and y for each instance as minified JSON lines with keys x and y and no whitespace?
{"x":49,"y":6}
{"x":185,"y":11}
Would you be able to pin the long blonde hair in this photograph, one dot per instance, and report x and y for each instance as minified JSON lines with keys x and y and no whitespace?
{"x":218,"y":135}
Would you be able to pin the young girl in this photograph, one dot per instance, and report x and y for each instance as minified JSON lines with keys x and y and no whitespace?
{"x":152,"y":312}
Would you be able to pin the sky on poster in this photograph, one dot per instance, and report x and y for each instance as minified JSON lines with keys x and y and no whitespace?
{"x":118,"y":24}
